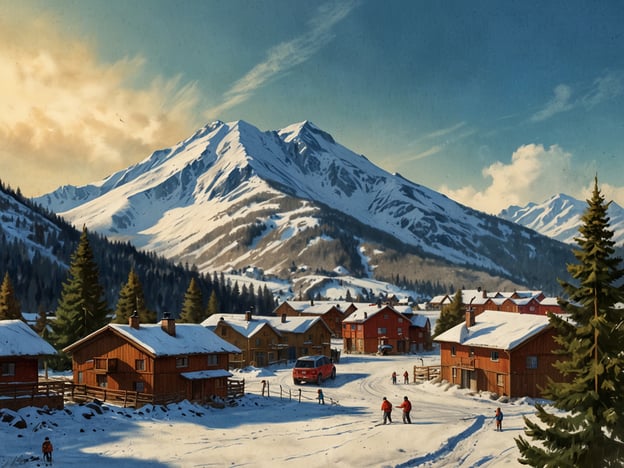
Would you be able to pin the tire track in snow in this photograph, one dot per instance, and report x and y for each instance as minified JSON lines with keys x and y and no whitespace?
{"x":448,"y":447}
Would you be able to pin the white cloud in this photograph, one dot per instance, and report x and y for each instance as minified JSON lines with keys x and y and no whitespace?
{"x":534,"y":174}
{"x":286,"y":55}
{"x":559,"y":103}
{"x":66,"y":117}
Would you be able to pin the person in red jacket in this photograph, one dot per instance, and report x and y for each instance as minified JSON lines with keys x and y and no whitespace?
{"x":46,"y":449}
{"x":386,"y":407}
{"x":407,"y":407}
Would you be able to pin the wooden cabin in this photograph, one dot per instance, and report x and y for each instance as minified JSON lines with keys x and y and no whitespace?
{"x":503,"y":353}
{"x":266,"y":340}
{"x":332,"y":312}
{"x":381,"y":328}
{"x":21,"y":351}
{"x":168,"y":361}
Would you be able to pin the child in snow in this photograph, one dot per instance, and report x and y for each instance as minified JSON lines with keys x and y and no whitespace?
{"x":407,"y":407}
{"x":498,"y":416}
{"x":386,"y":407}
{"x":321,"y":398}
{"x":46,"y":449}
{"x":405,"y":377}
{"x":394,"y":377}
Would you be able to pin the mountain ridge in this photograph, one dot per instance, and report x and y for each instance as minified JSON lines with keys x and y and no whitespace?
{"x":231,"y":195}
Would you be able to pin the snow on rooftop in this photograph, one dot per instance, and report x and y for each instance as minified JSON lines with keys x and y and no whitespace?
{"x":242,"y":325}
{"x":18,"y":339}
{"x":494,"y":329}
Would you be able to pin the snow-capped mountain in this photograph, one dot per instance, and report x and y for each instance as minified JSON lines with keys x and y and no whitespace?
{"x":559,"y":217}
{"x":231,"y":196}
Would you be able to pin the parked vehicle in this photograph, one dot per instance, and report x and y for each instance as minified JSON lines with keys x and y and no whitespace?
{"x":314,"y":369}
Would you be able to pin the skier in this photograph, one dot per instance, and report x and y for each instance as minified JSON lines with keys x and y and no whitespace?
{"x":386,"y":407}
{"x":47,"y":449}
{"x":498,"y":416}
{"x":407,"y":407}
{"x":394,"y":377}
{"x":321,"y":398}
{"x":405,"y":377}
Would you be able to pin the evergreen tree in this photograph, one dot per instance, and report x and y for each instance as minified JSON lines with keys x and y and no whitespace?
{"x":451,"y":314}
{"x":588,"y":429}
{"x":192,"y":308}
{"x":213,"y":304}
{"x":81,"y":309}
{"x":10,"y":308}
{"x":131,"y":299}
{"x":41,"y":325}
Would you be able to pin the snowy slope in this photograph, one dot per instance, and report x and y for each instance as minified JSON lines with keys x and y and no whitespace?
{"x":559,"y":217}
{"x":202,"y":200}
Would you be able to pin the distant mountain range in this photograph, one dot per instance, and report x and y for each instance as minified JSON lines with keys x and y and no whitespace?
{"x":295,"y":201}
{"x":559,"y":217}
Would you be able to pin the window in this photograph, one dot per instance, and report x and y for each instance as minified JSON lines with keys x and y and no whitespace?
{"x":454,"y":373}
{"x":453,"y":350}
{"x":471,"y":352}
{"x":139,"y":364}
{"x":139,"y":387}
{"x":531,"y":362}
{"x":381,"y":331}
{"x":400,"y":320}
{"x":258,"y":342}
{"x":80,"y":377}
{"x":182,"y":361}
{"x":213,"y":359}
{"x":102,"y":380}
{"x":8,"y":368}
{"x":400,"y":331}
{"x":500,"y":380}
{"x":494,"y":355}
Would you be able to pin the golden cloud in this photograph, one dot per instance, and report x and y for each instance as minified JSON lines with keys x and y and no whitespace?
{"x":67,"y":117}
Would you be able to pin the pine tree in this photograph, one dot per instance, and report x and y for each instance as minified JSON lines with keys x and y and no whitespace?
{"x":451,"y":314}
{"x":131,"y":299}
{"x":10,"y":308}
{"x":81,"y":308}
{"x":588,"y":429}
{"x":213,"y":304}
{"x":192,"y":308}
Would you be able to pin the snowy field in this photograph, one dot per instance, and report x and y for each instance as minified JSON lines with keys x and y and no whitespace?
{"x":450,"y":427}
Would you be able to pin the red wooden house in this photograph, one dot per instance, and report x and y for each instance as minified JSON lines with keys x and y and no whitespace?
{"x":21,"y":349}
{"x":375,"y":328}
{"x":503,"y":353}
{"x":332,"y":312}
{"x":168,"y":361}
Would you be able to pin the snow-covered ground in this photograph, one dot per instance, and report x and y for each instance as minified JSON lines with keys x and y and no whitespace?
{"x":450,"y":426}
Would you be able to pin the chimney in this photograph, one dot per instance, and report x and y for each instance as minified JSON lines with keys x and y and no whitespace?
{"x":134,"y":320}
{"x":283,"y":318}
{"x":167,"y":323}
{"x":248,"y":316}
{"x":470,"y":317}
{"x":365,"y":315}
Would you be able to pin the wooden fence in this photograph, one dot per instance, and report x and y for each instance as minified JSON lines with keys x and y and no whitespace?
{"x":422,"y":373}
{"x":20,"y":395}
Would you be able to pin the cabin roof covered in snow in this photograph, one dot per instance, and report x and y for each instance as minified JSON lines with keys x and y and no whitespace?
{"x":238,"y":321}
{"x":190,"y":338}
{"x":494,"y":329}
{"x":18,"y":339}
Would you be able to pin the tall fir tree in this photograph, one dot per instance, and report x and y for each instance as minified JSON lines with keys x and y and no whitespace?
{"x":193,"y":307}
{"x":213,"y":304}
{"x":588,"y":428}
{"x":132,"y":299}
{"x":451,"y":314}
{"x":82,"y":308}
{"x":10,"y":308}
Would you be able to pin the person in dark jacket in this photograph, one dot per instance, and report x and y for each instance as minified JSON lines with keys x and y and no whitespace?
{"x":386,"y":407}
{"x":407,"y":407}
{"x":321,"y":398}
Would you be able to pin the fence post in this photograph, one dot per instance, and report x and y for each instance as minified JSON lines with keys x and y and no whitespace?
{"x":299,"y":395}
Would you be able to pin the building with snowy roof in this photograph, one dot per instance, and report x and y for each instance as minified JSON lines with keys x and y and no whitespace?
{"x":162,"y":362}
{"x":503,"y":353}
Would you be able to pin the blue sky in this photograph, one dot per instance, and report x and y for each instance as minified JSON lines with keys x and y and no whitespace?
{"x":490,"y":102}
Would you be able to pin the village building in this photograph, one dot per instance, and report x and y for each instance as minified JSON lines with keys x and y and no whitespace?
{"x":21,"y":353}
{"x":506,"y":354}
{"x":382,"y":328}
{"x":332,"y":312}
{"x":266,"y":340}
{"x":165,"y":361}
